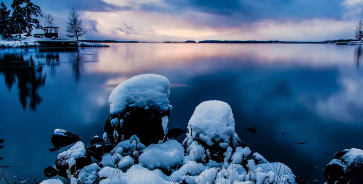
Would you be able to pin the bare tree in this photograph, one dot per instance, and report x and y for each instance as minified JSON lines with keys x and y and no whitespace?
{"x":74,"y":26}
{"x":359,"y":31}
{"x":48,"y":20}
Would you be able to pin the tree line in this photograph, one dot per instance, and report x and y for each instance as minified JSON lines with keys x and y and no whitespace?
{"x":22,"y":19}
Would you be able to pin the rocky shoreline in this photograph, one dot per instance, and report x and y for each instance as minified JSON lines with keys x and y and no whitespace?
{"x":138,"y":147}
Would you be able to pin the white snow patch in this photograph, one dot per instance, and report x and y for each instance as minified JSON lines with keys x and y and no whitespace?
{"x":165,"y":121}
{"x":52,"y":181}
{"x":89,"y":174}
{"x":75,"y":152}
{"x":166,"y":155}
{"x":140,"y":175}
{"x":140,"y":91}
{"x":59,"y":132}
{"x":212,"y":121}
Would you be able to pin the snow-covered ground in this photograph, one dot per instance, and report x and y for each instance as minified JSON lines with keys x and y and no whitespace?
{"x":211,"y":153}
{"x":33,"y":42}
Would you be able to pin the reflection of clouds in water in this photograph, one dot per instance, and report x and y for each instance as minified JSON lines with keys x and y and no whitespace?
{"x":196,"y":58}
{"x":346,"y":104}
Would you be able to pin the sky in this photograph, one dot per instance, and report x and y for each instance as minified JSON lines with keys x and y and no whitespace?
{"x":180,"y":20}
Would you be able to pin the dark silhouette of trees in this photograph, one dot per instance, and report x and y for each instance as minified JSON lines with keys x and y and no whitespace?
{"x":359,"y":31}
{"x":23,"y":18}
{"x":5,"y":29}
{"x":74,"y":25}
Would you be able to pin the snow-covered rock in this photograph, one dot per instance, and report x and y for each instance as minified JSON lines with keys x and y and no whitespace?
{"x":211,"y":151}
{"x":89,"y":174}
{"x":139,"y":106}
{"x":74,"y":158}
{"x":347,"y":166}
{"x":211,"y":126}
{"x":62,"y":138}
{"x":163,"y":156}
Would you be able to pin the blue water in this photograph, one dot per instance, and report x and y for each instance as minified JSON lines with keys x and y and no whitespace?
{"x":312,"y":91}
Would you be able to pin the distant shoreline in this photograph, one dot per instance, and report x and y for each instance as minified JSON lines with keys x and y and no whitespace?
{"x":231,"y":41}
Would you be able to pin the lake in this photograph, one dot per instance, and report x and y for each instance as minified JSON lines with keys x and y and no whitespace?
{"x":313,"y":91}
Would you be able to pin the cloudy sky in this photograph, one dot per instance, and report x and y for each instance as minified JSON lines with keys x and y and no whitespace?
{"x":161,"y":20}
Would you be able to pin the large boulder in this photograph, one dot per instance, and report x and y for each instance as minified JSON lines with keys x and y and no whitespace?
{"x":62,"y":138}
{"x":347,"y":166}
{"x":211,"y":130}
{"x":139,"y":106}
{"x":73,"y":159}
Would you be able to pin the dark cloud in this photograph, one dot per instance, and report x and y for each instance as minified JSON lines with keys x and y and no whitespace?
{"x":237,"y":12}
{"x":80,"y":5}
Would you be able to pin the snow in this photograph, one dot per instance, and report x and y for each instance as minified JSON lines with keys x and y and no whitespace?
{"x":127,"y":147}
{"x":88,"y":174}
{"x":88,"y":44}
{"x":259,"y":158}
{"x":76,"y":151}
{"x":165,"y":121}
{"x":212,"y":121}
{"x":111,"y":176}
{"x":125,"y":163}
{"x":59,"y":132}
{"x":283,"y":172}
{"x":353,"y":156}
{"x":239,"y":154}
{"x":191,"y":168}
{"x":140,"y":175}
{"x":166,"y":155}
{"x":143,"y":90}
{"x":52,"y":181}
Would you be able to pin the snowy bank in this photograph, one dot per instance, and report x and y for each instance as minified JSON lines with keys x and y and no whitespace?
{"x":210,"y":153}
{"x":34,"y":42}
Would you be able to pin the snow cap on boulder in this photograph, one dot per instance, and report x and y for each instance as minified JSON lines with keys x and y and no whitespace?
{"x":212,"y":121}
{"x":146,"y":90}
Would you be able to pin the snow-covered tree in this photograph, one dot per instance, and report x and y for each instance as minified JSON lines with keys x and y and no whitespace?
{"x":359,"y":31}
{"x":4,"y":21}
{"x":48,"y":20}
{"x":74,"y":25}
{"x":22,"y":18}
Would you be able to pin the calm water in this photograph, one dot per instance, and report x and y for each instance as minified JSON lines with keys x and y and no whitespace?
{"x":312,"y":91}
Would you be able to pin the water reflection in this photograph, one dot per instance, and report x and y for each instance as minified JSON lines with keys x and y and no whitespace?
{"x":29,"y":77}
{"x":312,"y":91}
{"x":358,"y":54}
{"x":26,"y":69}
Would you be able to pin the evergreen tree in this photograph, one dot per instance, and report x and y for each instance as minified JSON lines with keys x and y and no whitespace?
{"x":359,"y":31}
{"x":4,"y":21}
{"x":74,"y":26}
{"x":22,"y":19}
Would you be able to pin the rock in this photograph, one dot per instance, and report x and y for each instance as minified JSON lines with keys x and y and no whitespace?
{"x":95,"y":139}
{"x":74,"y":158}
{"x":252,"y":130}
{"x":139,"y":106}
{"x":54,"y":149}
{"x":62,"y":138}
{"x":98,"y":150}
{"x":88,"y":174}
{"x":211,"y":130}
{"x":175,"y":132}
{"x":347,"y":166}
{"x":50,"y":172}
